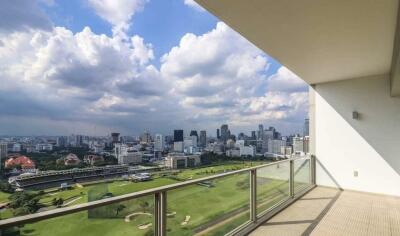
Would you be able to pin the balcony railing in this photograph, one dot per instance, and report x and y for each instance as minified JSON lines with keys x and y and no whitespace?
{"x":231,"y":203}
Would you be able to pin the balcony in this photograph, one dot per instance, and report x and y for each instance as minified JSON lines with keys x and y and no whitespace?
{"x":329,"y":211}
{"x":278,"y":198}
{"x":231,"y":203}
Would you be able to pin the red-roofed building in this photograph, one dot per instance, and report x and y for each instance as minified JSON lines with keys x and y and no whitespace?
{"x":20,"y":161}
{"x":71,"y":160}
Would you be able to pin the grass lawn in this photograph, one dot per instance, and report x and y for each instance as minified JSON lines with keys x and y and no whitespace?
{"x":4,"y":197}
{"x":196,"y":205}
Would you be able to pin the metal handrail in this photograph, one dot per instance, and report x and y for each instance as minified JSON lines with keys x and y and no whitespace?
{"x":20,"y":220}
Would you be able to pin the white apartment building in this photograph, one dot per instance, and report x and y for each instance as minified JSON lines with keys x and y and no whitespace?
{"x":247,"y":150}
{"x":159,"y":142}
{"x":17,"y":147}
{"x":275,"y":145}
{"x":126,"y":155}
{"x":298,"y":144}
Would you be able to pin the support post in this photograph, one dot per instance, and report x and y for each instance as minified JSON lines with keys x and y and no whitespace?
{"x":313,"y":169}
{"x":160,"y":214}
{"x":291,"y":179}
{"x":253,"y":196}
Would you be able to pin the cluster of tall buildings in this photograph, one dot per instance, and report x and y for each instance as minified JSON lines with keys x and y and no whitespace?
{"x":147,"y":147}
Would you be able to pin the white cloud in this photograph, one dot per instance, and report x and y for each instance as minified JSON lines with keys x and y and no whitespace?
{"x":285,"y":80}
{"x":117,"y":12}
{"x":228,"y":80}
{"x":62,"y":77}
{"x":194,"y":5}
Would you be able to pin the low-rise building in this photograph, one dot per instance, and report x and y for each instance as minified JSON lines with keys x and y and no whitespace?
{"x":20,"y":161}
{"x":93,"y":160}
{"x":71,"y":160}
{"x":180,"y":161}
{"x":233,"y":153}
{"x":247,"y":151}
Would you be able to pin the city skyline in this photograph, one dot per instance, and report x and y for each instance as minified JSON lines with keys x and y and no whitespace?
{"x":98,"y":66}
{"x":186,"y":132}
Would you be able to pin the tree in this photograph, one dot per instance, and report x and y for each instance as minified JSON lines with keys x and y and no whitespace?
{"x":119,"y":208}
{"x":60,"y":202}
{"x":6,"y":187}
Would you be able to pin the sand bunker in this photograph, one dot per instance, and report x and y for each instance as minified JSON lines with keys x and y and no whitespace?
{"x":145,"y":226}
{"x":171,"y":214}
{"x":187,"y":218}
{"x":128,"y":217}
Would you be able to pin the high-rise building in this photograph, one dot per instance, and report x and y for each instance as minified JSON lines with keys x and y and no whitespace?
{"x":78,"y":140}
{"x":306,"y":144}
{"x":62,"y":141}
{"x":115,"y":137}
{"x":253,"y":135}
{"x":195,"y":137}
{"x":203,"y":138}
{"x":225,"y":133}
{"x":178,"y":135}
{"x":193,"y":133}
{"x":298,"y":144}
{"x":159,"y":142}
{"x":270,"y":133}
{"x":218,"y":134}
{"x":275,"y":145}
{"x":145,"y":137}
{"x":306,"y":131}
{"x":260,"y":132}
{"x":3,"y":153}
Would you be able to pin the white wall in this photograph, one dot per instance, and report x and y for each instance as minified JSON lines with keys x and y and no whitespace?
{"x":369,"y":145}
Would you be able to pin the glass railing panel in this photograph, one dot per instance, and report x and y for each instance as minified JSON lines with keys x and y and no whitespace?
{"x":210,"y":208}
{"x":131,"y":217}
{"x":272,"y":185}
{"x":302,"y":174}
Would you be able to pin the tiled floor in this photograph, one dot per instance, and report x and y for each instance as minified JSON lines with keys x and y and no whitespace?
{"x":326,"y":211}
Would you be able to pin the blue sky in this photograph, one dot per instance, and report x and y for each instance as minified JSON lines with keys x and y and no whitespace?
{"x":132,"y":65}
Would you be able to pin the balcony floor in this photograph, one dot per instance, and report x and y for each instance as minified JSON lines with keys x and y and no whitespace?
{"x":326,"y":211}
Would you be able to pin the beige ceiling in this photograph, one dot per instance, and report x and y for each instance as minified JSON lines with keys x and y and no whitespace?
{"x":319,"y":40}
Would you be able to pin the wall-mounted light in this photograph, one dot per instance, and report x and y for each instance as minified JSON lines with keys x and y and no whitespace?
{"x":356,"y":115}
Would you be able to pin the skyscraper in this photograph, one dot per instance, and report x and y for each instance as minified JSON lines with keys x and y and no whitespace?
{"x":203,"y":138}
{"x":193,"y":133}
{"x":195,"y":137}
{"x":3,"y":153}
{"x":253,"y":135}
{"x":115,"y":137}
{"x":178,"y":140}
{"x":218,"y":134}
{"x":159,"y":142}
{"x":225,"y":133}
{"x":260,"y":132}
{"x":306,"y":129}
{"x":178,"y":135}
{"x":145,"y":137}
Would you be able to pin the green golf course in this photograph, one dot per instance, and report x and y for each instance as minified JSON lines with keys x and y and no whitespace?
{"x":212,"y":208}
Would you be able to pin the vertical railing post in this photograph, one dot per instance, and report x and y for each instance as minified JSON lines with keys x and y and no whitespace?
{"x":160,"y":213}
{"x":291,"y":179}
{"x":253,"y":195}
{"x":313,"y":169}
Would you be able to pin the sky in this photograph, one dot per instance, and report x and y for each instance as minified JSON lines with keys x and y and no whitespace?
{"x":99,"y":66}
